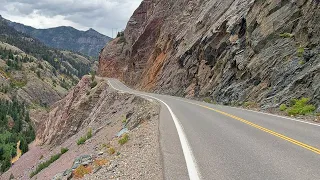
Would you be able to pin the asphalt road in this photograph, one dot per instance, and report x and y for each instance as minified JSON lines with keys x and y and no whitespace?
{"x":206,"y":141}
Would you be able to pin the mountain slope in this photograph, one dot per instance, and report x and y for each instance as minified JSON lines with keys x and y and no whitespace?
{"x":66,"y":63}
{"x":228,"y":51}
{"x":32,"y":78}
{"x":86,"y":42}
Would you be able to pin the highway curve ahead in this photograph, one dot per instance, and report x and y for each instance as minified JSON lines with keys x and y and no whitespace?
{"x":205,"y":141}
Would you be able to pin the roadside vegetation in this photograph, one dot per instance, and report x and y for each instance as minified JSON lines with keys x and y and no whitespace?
{"x":298,"y":107}
{"x":48,"y":162}
{"x":286,"y":35}
{"x":124,"y":139}
{"x":83,"y":139}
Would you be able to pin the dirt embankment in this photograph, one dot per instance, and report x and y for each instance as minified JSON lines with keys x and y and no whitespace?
{"x":105,"y":112}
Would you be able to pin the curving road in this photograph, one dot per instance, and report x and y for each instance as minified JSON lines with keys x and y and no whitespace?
{"x":205,"y":141}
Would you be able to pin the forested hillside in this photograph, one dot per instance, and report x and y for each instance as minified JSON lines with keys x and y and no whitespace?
{"x":32,"y":78}
{"x":61,"y":62}
{"x":15,"y":126}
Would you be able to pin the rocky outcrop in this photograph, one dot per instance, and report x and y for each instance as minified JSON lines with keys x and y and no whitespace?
{"x":230,"y":51}
{"x":85,"y":107}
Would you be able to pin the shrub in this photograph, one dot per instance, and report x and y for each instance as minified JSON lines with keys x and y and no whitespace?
{"x":82,"y":140}
{"x":300,"y":51}
{"x":46,"y":164}
{"x":89,"y":134}
{"x":300,"y":107}
{"x":124,"y":139}
{"x":111,"y":150}
{"x":301,"y":62}
{"x":283,"y":107}
{"x":64,"y":150}
{"x":286,"y":35}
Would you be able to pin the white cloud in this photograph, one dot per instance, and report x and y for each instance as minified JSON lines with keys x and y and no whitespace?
{"x":102,"y":15}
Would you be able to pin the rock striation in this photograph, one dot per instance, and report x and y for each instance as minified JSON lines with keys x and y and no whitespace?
{"x":231,"y":51}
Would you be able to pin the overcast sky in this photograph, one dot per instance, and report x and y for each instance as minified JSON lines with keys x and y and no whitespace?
{"x":104,"y":16}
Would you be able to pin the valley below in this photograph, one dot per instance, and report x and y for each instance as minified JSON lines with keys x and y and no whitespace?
{"x":104,"y":112}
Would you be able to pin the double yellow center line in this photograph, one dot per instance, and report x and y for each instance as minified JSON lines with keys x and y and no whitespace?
{"x":298,"y":143}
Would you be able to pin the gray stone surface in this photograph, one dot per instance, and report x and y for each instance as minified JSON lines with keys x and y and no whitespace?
{"x":229,"y":51}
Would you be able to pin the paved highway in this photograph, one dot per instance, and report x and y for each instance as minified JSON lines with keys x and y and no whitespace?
{"x":206,"y":141}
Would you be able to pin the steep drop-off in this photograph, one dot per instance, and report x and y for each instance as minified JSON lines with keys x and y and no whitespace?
{"x":232,"y":51}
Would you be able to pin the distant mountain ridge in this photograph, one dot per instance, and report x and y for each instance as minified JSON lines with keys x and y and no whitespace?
{"x":88,"y":42}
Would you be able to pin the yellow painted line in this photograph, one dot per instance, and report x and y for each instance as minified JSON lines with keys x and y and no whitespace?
{"x":296,"y":142}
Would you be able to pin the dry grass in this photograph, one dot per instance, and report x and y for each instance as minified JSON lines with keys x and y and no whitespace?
{"x":100,"y":162}
{"x":81,"y":171}
{"x":111,"y":150}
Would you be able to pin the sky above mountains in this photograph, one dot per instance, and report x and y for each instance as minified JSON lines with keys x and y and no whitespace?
{"x":105,"y":16}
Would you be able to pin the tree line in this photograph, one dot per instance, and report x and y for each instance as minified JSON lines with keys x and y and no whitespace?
{"x":15,"y":125}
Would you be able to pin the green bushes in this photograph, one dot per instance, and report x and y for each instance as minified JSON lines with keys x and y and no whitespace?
{"x":283,"y":107}
{"x":124,"y":139}
{"x":64,"y":150}
{"x":48,"y":162}
{"x":83,"y":139}
{"x":298,"y":107}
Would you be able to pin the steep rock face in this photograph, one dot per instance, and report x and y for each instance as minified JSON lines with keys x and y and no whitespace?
{"x":231,"y":51}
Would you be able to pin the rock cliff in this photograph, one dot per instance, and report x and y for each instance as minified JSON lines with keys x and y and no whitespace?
{"x":231,"y":51}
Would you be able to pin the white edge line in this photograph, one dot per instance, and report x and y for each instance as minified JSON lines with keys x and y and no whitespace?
{"x":187,"y":151}
{"x":283,"y":117}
